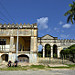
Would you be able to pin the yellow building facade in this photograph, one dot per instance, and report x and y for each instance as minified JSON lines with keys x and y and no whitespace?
{"x":27,"y":42}
{"x":26,"y":48}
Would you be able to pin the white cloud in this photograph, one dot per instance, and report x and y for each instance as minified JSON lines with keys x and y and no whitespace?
{"x":62,"y":31}
{"x":60,"y":22}
{"x":42,"y":23}
{"x":64,"y":36}
{"x":56,"y":29}
{"x":66,"y":26}
{"x":49,"y":30}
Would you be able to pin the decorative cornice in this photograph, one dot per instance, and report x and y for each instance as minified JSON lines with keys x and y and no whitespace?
{"x":15,"y":26}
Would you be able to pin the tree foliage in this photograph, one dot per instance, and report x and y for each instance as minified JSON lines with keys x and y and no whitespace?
{"x":69,"y":50}
{"x":71,"y":13}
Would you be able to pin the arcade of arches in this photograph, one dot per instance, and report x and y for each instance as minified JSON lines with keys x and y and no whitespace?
{"x":21,"y":58}
{"x":47,"y":51}
{"x":50,"y":47}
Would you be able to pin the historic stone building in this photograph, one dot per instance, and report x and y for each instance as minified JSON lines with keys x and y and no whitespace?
{"x":27,"y":49}
{"x":56,"y":45}
{"x":28,"y":43}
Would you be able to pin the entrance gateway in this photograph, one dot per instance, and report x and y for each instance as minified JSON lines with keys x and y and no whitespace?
{"x":28,"y":43}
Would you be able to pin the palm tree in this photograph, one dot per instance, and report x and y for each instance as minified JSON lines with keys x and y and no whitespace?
{"x":71,"y":13}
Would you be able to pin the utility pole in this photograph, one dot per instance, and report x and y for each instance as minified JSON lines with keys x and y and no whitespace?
{"x":17,"y":44}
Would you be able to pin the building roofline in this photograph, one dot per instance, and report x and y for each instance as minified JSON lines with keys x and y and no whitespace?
{"x":47,"y":34}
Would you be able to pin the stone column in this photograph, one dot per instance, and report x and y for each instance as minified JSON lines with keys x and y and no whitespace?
{"x":58,"y":52}
{"x":11,"y":48}
{"x":31,"y":50}
{"x":35,"y":44}
{"x":32,"y":44}
{"x":52,"y":52}
{"x":43,"y":52}
{"x":10,"y":56}
{"x":0,"y":58}
{"x":11,"y":43}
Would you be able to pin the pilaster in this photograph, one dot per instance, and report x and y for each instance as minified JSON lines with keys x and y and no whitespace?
{"x":32,"y":44}
{"x":58,"y":52}
{"x":33,"y":49}
{"x":43,"y":52}
{"x":0,"y":58}
{"x":35,"y":44}
{"x":11,"y":43}
{"x":52,"y":52}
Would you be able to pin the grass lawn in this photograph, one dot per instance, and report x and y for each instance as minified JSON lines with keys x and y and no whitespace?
{"x":68,"y":66}
{"x":13,"y":68}
{"x":35,"y":67}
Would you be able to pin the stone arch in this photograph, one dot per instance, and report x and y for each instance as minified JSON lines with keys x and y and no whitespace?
{"x":23,"y":54}
{"x":23,"y":58}
{"x":54,"y":51}
{"x":4,"y":57}
{"x":47,"y":50}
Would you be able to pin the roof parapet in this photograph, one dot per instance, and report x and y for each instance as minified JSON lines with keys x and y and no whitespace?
{"x":16,"y":25}
{"x":66,"y":40}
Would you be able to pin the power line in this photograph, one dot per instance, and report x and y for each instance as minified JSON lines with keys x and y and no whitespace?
{"x":3,"y":20}
{"x":4,"y":16}
{"x":7,"y":12}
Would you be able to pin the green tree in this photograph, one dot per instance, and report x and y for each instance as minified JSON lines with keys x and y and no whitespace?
{"x":69,"y":51}
{"x":71,"y":13}
{"x":47,"y":50}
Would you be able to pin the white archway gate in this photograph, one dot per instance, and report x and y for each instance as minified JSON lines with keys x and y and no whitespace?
{"x":56,"y":44}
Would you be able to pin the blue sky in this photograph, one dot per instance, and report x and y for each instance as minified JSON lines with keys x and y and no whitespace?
{"x":48,"y":14}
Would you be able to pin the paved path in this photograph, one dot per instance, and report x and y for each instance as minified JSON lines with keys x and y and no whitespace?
{"x":49,"y":72}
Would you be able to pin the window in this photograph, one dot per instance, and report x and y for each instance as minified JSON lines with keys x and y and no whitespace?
{"x":2,"y":41}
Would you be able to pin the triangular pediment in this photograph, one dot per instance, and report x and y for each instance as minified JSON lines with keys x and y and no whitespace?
{"x":47,"y":37}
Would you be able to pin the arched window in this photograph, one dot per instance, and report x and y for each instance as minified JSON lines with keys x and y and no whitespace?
{"x":23,"y":58}
{"x":4,"y":57}
{"x":47,"y":50}
{"x":55,"y":51}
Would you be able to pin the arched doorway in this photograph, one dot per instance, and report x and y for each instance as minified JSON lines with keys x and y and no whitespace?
{"x":23,"y":58}
{"x":55,"y":51}
{"x":40,"y":51}
{"x":47,"y":50}
{"x":4,"y":57}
